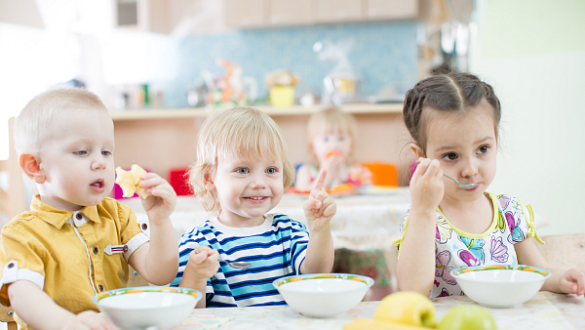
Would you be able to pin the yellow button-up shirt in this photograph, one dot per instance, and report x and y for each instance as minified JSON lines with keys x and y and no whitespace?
{"x":72,"y":256}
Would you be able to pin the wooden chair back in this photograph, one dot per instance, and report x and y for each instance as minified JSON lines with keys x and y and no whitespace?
{"x":564,"y":251}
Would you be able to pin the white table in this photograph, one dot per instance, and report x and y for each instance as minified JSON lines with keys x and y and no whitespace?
{"x":546,"y":311}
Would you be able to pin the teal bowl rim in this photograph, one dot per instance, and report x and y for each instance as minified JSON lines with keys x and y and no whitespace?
{"x":523,"y":268}
{"x":278,"y":283}
{"x":139,"y":289}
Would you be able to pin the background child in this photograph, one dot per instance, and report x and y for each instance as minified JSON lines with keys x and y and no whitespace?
{"x":241,"y":173}
{"x":58,"y":255}
{"x":454,"y":121}
{"x":331,"y":134}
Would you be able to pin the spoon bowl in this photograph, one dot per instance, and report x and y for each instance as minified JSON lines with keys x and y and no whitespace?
{"x":243,"y":265}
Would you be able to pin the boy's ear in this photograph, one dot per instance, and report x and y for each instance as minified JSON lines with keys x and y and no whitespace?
{"x":418,"y":152}
{"x":208,"y":181}
{"x":31,"y":166}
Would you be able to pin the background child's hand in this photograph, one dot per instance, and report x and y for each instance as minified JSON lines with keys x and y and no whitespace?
{"x":202,"y":263}
{"x":161,"y":199}
{"x":319,"y":207}
{"x":334,"y":165}
{"x":89,"y":320}
{"x":426,"y":185}
{"x":573,"y":281}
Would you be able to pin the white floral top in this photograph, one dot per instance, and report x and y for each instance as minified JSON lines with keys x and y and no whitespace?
{"x":455,"y":248}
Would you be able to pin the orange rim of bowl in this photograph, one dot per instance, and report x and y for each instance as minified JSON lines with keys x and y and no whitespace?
{"x":123,"y":291}
{"x":288,"y":279}
{"x":524,"y":268}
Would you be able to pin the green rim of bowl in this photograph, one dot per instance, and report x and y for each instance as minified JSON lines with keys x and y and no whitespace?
{"x":358,"y":278}
{"x":118,"y":292}
{"x":523,"y":268}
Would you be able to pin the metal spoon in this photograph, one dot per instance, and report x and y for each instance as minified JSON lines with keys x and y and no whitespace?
{"x":234,"y":264}
{"x":459,"y":185}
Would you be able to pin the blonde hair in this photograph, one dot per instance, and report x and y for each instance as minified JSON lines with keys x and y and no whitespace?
{"x":32,"y":126}
{"x":331,"y":120}
{"x":236,"y":132}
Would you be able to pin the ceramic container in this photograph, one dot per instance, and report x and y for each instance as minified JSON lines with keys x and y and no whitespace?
{"x":323,"y":295}
{"x":500,"y":285}
{"x":147,"y":307}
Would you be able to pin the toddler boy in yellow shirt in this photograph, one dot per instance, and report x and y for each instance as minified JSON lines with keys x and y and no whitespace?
{"x":76,"y":242}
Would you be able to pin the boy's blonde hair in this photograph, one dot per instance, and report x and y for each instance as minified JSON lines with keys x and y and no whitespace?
{"x":331,"y":120}
{"x":32,"y":126}
{"x":245,"y":132}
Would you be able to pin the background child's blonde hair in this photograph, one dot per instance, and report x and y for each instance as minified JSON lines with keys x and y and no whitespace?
{"x":331,"y":120}
{"x":32,"y":126}
{"x":237,"y":132}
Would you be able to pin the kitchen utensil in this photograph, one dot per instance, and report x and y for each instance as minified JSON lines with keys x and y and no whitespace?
{"x":323,"y":295}
{"x":243,"y":265}
{"x":459,"y":185}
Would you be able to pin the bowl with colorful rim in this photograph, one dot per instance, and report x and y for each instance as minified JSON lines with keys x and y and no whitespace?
{"x":323,"y":295}
{"x":145,"y":307}
{"x":500,"y":285}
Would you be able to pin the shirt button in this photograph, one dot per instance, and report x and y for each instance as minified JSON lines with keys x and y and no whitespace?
{"x":79,"y":216}
{"x":10,"y":265}
{"x":95,"y":250}
{"x":144,"y":226}
{"x":100,"y":287}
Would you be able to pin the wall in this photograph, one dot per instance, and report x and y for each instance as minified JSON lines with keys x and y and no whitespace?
{"x":384,"y":53}
{"x":533,"y":53}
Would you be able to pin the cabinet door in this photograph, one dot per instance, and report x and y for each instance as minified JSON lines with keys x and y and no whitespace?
{"x":245,"y":13}
{"x":391,"y":9}
{"x":338,"y":10}
{"x":287,"y":12}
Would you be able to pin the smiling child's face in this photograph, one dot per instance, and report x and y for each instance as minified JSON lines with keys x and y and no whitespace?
{"x":466,"y":147}
{"x":77,"y":159}
{"x":246,"y":189}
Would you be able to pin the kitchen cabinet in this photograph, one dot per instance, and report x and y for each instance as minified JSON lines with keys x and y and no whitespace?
{"x":326,"y":11}
{"x":246,"y":13}
{"x":141,"y":15}
{"x":286,"y":12}
{"x":390,"y":9}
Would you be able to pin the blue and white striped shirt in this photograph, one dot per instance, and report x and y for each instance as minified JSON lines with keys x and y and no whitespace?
{"x":275,"y":249}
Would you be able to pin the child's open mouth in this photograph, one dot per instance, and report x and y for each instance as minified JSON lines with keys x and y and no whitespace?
{"x":257,"y":199}
{"x":98,"y":185}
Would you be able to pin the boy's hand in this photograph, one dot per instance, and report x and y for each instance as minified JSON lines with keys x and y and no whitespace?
{"x":202,"y":263}
{"x":426,"y":186}
{"x":320,"y":207}
{"x":89,"y":320}
{"x":161,"y":199}
{"x":573,"y":281}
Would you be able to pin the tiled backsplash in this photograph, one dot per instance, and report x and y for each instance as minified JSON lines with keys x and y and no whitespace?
{"x":384,"y":53}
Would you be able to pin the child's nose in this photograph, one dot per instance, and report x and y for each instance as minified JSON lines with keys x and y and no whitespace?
{"x":470,"y":168}
{"x":98,"y":164}
{"x":258,"y":181}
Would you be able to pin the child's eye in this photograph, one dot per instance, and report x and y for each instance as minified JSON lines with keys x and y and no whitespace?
{"x":242,"y":170}
{"x":450,"y":156}
{"x":271,"y":170}
{"x":482,"y":149}
{"x":80,"y":152}
{"x":341,"y":138}
{"x":106,"y":153}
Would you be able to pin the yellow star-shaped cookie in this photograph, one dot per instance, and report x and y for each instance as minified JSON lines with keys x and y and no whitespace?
{"x":129,"y":181}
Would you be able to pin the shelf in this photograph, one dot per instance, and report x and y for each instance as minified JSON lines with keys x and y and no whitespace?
{"x":145,"y":114}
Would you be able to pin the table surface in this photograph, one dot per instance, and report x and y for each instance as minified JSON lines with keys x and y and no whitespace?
{"x":545,"y":311}
{"x":363,"y":222}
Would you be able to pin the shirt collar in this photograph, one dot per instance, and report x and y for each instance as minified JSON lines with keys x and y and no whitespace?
{"x":56,"y":217}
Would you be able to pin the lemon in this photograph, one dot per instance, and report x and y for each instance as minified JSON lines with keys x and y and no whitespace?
{"x":407,"y":307}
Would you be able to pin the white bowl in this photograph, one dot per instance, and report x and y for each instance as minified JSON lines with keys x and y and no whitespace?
{"x":323,"y":295}
{"x":500,"y":285}
{"x":148,"y":306}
